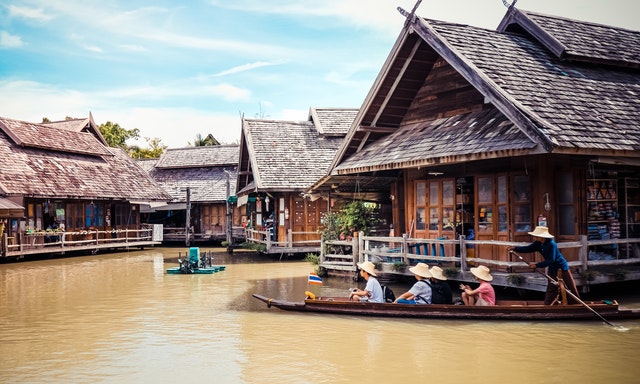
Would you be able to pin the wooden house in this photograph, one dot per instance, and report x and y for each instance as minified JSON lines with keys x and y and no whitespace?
{"x":201,"y":178}
{"x":279,"y":161}
{"x":65,"y":187}
{"x":489,"y":133}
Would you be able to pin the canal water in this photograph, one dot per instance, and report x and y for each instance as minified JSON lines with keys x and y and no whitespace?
{"x":119,"y":318}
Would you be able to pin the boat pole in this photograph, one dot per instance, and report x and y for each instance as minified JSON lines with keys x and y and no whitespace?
{"x":567,"y":290}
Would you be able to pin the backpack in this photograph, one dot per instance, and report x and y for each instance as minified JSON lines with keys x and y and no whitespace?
{"x":438,"y":294}
{"x":387,"y":294}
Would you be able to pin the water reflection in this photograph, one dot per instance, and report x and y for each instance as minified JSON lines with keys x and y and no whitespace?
{"x":119,"y":318}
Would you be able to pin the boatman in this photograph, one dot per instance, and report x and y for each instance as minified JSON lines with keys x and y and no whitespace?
{"x":372,"y":292}
{"x":558,"y":266}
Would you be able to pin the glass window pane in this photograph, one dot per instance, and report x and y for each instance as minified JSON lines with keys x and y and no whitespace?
{"x":448,"y":219}
{"x":434,"y":219}
{"x":521,"y":188}
{"x":421,"y":193}
{"x":485,"y":223}
{"x":434,"y":193}
{"x":485,"y":193}
{"x":502,"y":189}
{"x":502,"y":218}
{"x":522,"y":218}
{"x":421,"y":219}
{"x":567,"y":216}
{"x":448,"y":194}
{"x":565,"y":188}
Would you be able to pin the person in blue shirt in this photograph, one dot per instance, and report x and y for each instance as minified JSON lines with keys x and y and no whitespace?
{"x":372,"y":292}
{"x":544,"y":243}
{"x":420,"y":292}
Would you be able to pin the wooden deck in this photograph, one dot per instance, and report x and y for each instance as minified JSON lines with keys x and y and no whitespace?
{"x":43,"y":242}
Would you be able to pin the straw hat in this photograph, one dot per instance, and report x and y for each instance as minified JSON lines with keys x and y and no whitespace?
{"x":541,"y":231}
{"x":482,"y":273}
{"x":436,"y":272}
{"x":368,"y":267}
{"x":420,"y":269}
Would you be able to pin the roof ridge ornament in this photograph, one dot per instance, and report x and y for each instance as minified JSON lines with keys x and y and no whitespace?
{"x":411,"y":16}
{"x":506,"y":3}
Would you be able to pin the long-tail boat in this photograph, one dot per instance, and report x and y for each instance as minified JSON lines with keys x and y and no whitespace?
{"x":503,"y":310}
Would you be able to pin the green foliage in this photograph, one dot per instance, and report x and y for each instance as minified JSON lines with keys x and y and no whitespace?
{"x":398,"y":266}
{"x":356,"y":216}
{"x":589,"y":274}
{"x":312,"y":258}
{"x":620,"y":274}
{"x":155,"y":150}
{"x":451,"y":271}
{"x":116,"y":136}
{"x":515,"y":279}
{"x":260,"y":248}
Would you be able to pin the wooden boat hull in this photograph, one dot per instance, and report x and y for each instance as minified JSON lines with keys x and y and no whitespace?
{"x":197,"y":271}
{"x":504,"y":310}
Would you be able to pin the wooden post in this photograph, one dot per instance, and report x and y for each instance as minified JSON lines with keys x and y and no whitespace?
{"x":405,"y":256}
{"x":583,"y":254}
{"x":463,"y":253}
{"x":563,"y":291}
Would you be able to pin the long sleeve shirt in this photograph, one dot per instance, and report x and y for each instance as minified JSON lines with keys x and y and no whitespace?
{"x":549,"y":251}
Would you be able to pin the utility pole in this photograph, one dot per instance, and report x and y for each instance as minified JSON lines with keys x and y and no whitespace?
{"x":229,"y":221}
{"x":187,"y":223}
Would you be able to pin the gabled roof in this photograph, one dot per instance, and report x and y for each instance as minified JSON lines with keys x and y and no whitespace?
{"x":561,"y":102}
{"x":291,"y":155}
{"x":46,"y":137}
{"x":202,"y":156}
{"x":204,"y":170}
{"x":577,"y":40}
{"x":35,"y":166}
{"x":78,"y":125}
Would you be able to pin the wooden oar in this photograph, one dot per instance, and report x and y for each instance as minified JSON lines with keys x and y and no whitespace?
{"x":567,"y":290}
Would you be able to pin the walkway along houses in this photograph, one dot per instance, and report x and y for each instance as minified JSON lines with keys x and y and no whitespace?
{"x":487,"y":134}
{"x":63,"y":189}
{"x":200,"y":181}
{"x":279,"y":162}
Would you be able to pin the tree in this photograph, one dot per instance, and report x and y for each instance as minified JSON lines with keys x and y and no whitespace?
{"x":155,"y":150}
{"x":201,"y":142}
{"x":116,"y":136}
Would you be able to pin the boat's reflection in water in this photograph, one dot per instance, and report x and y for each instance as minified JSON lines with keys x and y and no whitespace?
{"x":120,"y":318}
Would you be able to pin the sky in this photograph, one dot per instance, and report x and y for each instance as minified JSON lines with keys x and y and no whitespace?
{"x":176,"y":69}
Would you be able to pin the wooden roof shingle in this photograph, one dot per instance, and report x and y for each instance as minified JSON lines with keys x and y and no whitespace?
{"x":292,"y":155}
{"x":201,"y":169}
{"x":42,"y":171}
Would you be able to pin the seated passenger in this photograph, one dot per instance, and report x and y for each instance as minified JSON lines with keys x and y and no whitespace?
{"x":441,"y":291}
{"x":420,"y":292}
{"x":372,"y":292}
{"x":483,"y":295}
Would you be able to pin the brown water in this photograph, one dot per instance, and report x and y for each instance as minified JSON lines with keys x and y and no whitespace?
{"x":120,"y":318}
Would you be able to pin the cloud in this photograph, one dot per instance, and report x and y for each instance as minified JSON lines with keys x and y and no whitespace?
{"x":244,"y":67}
{"x":28,"y":13}
{"x":8,"y":40}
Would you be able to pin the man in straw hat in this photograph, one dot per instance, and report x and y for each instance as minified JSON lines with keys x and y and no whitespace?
{"x":544,"y":243}
{"x":372,"y":292}
{"x":440,"y":289}
{"x":420,"y":292}
{"x":484,"y":294}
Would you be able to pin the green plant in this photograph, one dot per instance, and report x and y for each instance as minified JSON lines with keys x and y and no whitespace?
{"x":589,"y":274}
{"x":356,"y":216}
{"x":451,"y":271}
{"x":312,"y":258}
{"x":224,"y":243}
{"x":620,"y":274}
{"x":260,"y":248}
{"x":398,"y":266}
{"x":515,"y":279}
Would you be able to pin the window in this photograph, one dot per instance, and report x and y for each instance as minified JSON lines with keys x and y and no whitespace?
{"x":421,"y":200}
{"x":485,"y":204}
{"x":566,"y":207}
{"x":521,"y":203}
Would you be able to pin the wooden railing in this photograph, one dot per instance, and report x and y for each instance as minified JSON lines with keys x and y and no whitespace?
{"x":264,"y":237}
{"x":409,"y":251}
{"x":58,"y":241}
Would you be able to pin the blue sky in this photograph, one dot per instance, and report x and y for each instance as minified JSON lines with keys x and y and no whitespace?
{"x":174,"y":69}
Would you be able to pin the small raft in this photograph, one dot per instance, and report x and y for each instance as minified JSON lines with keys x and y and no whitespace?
{"x":195,"y":264}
